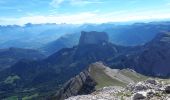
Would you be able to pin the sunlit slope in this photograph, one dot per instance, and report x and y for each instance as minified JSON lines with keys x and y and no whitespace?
{"x":105,"y":76}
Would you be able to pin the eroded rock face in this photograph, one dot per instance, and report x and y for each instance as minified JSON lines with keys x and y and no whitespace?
{"x":93,"y":38}
{"x":81,"y":84}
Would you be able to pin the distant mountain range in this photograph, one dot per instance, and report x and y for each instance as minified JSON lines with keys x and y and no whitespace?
{"x":32,"y":35}
{"x":50,"y":38}
{"x":125,"y":35}
{"x":48,"y":75}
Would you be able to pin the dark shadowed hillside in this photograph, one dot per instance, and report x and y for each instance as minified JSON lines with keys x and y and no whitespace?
{"x":154,"y":59}
{"x":10,"y":56}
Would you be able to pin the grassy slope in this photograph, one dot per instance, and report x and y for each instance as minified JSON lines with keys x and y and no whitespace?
{"x":136,"y":77}
{"x":104,"y":80}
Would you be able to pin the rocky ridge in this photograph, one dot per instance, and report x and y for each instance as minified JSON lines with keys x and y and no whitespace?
{"x":151,"y":89}
{"x":96,"y":76}
{"x":80,"y":84}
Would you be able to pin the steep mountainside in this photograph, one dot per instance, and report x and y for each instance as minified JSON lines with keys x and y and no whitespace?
{"x":10,"y":56}
{"x":97,"y":76}
{"x":66,"y":41}
{"x":154,"y":59}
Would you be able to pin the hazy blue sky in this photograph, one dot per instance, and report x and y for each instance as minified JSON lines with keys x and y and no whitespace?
{"x":81,"y":11}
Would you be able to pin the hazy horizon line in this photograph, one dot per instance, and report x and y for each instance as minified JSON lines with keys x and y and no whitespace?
{"x":111,"y":22}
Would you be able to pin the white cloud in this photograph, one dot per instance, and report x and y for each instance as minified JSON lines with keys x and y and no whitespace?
{"x":84,"y":2}
{"x":56,"y":3}
{"x":88,"y":17}
{"x":76,"y":19}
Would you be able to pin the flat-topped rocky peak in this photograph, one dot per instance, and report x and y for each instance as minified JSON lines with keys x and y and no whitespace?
{"x":93,"y":37}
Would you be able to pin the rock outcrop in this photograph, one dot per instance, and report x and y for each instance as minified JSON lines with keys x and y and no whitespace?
{"x":167,"y":89}
{"x":81,"y":84}
{"x":154,"y":91}
{"x":93,"y":38}
{"x":138,"y":96}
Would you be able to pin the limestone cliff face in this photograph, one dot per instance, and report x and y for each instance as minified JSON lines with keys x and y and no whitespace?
{"x":93,"y":38}
{"x":81,"y":84}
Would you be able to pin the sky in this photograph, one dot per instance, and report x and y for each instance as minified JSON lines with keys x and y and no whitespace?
{"x":81,"y":11}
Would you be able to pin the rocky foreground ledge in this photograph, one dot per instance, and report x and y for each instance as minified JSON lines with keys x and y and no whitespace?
{"x":150,"y":89}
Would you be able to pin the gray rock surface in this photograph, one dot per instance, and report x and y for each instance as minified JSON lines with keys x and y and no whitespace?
{"x":138,"y":96}
{"x":152,"y":81}
{"x":93,"y":38}
{"x":167,"y":89}
{"x":81,"y":84}
{"x":131,"y":92}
